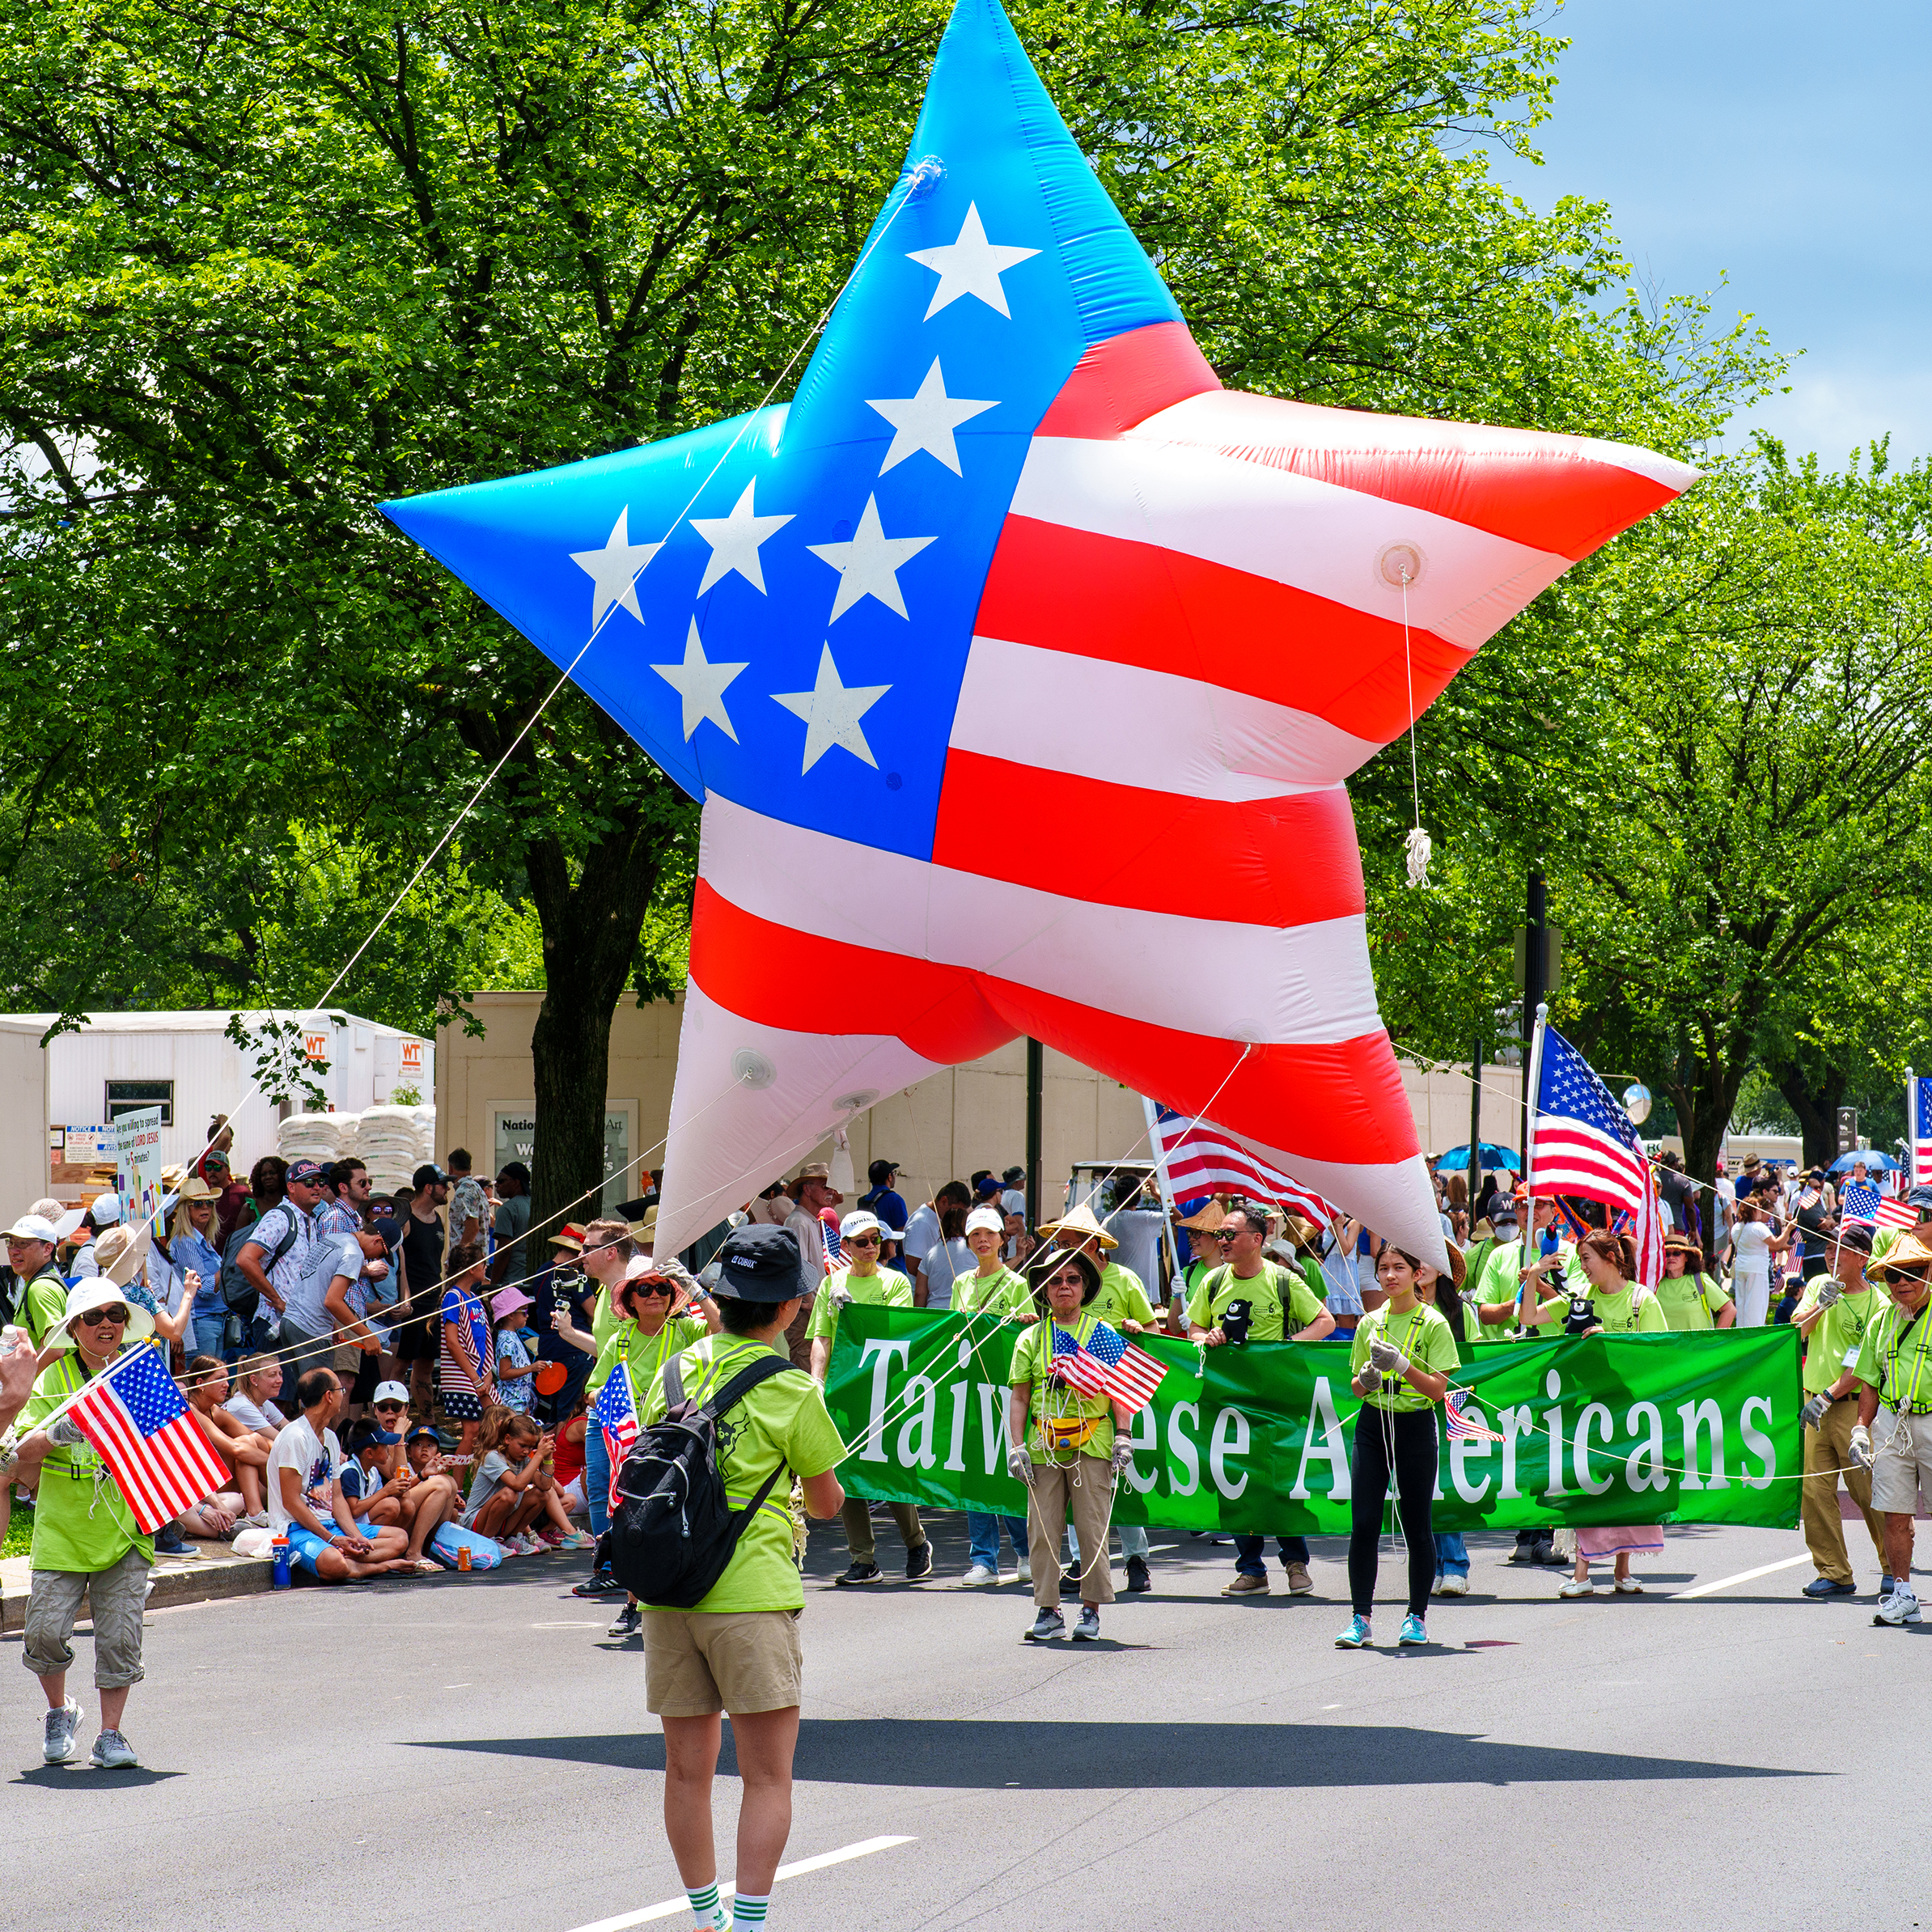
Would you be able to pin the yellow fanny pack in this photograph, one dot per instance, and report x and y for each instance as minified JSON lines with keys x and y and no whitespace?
{"x":1067,"y":1432}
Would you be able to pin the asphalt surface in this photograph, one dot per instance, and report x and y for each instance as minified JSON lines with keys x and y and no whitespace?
{"x":475,"y":1750}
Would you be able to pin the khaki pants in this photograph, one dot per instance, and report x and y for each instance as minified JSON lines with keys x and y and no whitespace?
{"x":115,"y":1598}
{"x":798,"y":1344}
{"x":857,"y":1517}
{"x":1087,"y":1490}
{"x":1828,"y":1447}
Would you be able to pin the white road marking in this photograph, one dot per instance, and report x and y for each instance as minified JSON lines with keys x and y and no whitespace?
{"x":569,"y":1623}
{"x":1744,"y":1576}
{"x":671,"y":1907}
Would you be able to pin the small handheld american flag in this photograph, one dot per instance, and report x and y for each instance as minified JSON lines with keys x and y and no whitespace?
{"x":1859,"y":1201}
{"x":1107,"y":1367}
{"x":134,"y":1418}
{"x":1455,"y":1412}
{"x":835,"y":1253}
{"x":617,"y":1415}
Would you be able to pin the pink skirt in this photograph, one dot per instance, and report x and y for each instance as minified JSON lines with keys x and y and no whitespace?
{"x":1602,"y":1539}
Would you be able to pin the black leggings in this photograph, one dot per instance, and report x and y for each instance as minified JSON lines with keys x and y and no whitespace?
{"x":1414,"y":1431}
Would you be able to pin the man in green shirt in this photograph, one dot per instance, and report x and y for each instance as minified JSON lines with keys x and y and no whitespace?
{"x":739,"y":1649}
{"x":861,"y":1279}
{"x":1894,"y":1367}
{"x":1250,"y":1298}
{"x":1832,"y":1317}
{"x":85,"y":1538}
{"x":38,"y":1299}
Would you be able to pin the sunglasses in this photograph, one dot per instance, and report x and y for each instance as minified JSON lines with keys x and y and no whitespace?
{"x":1067,"y":1278}
{"x":390,"y":1408}
{"x":862,"y":1241}
{"x":101,"y":1318}
{"x":652,"y":1288}
{"x":1234,"y":1234}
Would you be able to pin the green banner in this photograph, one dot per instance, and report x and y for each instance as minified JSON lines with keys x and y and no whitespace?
{"x":1615,"y":1429}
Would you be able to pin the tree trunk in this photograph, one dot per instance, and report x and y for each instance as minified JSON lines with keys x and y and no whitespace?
{"x":591,"y":928}
{"x":1816,"y":1104}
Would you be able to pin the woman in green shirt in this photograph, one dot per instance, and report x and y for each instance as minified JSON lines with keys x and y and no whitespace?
{"x":1401,"y":1357}
{"x":1064,"y":1449}
{"x":1689,"y":1298}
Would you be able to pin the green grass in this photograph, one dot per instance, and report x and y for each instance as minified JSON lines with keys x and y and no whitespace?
{"x":19,"y":1531}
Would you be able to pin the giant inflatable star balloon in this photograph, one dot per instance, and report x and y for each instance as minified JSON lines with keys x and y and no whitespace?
{"x":1020,"y":667}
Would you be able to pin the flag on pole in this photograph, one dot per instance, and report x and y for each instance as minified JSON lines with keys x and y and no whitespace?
{"x":617,"y":1415}
{"x":1584,"y":1143}
{"x":1859,"y":1201}
{"x":1201,"y":1159}
{"x":1893,"y":1212}
{"x":835,"y":1254}
{"x":1456,"y":1412}
{"x":134,"y":1418}
{"x":1918,"y":1128}
{"x":1107,"y":1367}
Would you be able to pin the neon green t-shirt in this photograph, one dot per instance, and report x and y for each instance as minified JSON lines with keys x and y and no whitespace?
{"x":1032,"y":1353}
{"x":81,"y":1520}
{"x":1833,"y":1346}
{"x":1690,"y":1301}
{"x":1422,"y":1335}
{"x":643,"y":1356}
{"x":783,"y":1421}
{"x":886,"y":1289}
{"x":1893,"y":1358}
{"x":1002,"y":1295}
{"x":1630,"y":1310}
{"x":1122,"y":1298}
{"x":43,"y":1306}
{"x":1267,"y":1291}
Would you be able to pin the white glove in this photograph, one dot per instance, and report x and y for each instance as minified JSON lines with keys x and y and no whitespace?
{"x":1123,"y":1454}
{"x":1830,"y":1290}
{"x":1388,"y":1359}
{"x":1366,"y":1381}
{"x":65,"y":1432}
{"x":1813,"y":1412}
{"x":1861,"y":1446}
{"x":841,"y":1293}
{"x":1019,"y":1465}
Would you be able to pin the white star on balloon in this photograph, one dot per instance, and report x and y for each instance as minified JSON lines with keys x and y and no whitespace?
{"x":870,"y":564}
{"x":701,"y":685}
{"x":831,"y":711}
{"x":970,"y":266}
{"x":734,"y":541}
{"x":927,"y":421}
{"x":615,"y":570}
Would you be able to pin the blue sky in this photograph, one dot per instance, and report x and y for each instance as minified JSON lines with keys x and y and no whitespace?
{"x":1786,"y":146}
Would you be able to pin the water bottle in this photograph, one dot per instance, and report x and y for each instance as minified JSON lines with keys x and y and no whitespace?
{"x":279,"y":1550}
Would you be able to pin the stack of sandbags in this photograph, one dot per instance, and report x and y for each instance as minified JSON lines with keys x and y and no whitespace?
{"x":310,"y":1137}
{"x":390,"y":1141}
{"x":426,"y":1131}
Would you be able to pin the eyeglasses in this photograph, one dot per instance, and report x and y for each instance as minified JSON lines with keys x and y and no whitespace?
{"x":102,"y":1318}
{"x":1067,"y":1278}
{"x":862,"y":1241}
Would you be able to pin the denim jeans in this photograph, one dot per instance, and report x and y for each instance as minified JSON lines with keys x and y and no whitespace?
{"x":597,"y":1478}
{"x":208,"y":1331}
{"x":1249,"y":1553}
{"x":1134,"y":1541}
{"x":1452,"y":1554}
{"x":982,"y":1537}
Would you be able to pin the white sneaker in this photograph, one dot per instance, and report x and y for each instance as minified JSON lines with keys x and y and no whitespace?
{"x":112,"y":1752}
{"x":1453,"y":1585}
{"x":1901,"y":1607}
{"x":59,"y":1745}
{"x":980,"y":1574}
{"x":1026,"y":1570}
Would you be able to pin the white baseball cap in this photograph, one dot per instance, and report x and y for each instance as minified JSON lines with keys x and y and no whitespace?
{"x":106,"y":1209}
{"x":859,"y":1222}
{"x":989,"y":1218}
{"x":390,"y":1392}
{"x":33,"y":1227}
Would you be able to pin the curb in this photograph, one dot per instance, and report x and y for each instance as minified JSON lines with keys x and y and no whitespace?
{"x":199,"y":1580}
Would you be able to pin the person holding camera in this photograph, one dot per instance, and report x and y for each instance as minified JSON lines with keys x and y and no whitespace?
{"x":1609,"y":1303}
{"x":1066,"y":1447}
{"x":1403,"y":1353}
{"x":1248,"y":1297}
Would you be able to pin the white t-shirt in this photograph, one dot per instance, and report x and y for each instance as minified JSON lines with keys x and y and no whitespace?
{"x":265,"y":1422}
{"x":1013,"y":1202}
{"x":319,"y":1463}
{"x":943,"y":1263}
{"x":1750,"y":1248}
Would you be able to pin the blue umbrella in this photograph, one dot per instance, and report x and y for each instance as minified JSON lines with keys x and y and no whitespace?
{"x":1488,"y":1155}
{"x":1875,"y":1162}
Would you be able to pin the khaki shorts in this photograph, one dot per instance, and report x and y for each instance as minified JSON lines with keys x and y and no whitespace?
{"x":697,"y":1662}
{"x":1901,"y":1466}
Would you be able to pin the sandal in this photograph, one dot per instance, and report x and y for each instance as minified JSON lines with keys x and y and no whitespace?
{"x":428,"y":1566}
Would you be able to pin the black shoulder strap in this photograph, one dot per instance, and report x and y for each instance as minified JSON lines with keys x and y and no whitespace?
{"x":741,"y":1384}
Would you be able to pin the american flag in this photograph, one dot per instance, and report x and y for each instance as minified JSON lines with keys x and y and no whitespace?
{"x":136,"y":1420}
{"x":1894,"y":1212}
{"x":1455,"y":1412}
{"x":1859,"y":1201}
{"x":1585,"y":1144}
{"x":1012,"y":557}
{"x":1108,"y":1366}
{"x":1202,"y":1159}
{"x":1918,"y":1128}
{"x":829,"y":1225}
{"x":617,"y":1415}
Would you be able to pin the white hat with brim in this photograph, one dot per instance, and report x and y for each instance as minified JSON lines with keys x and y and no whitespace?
{"x":33,"y":1227}
{"x":84,"y":1297}
{"x":68,"y":1223}
{"x":860,"y":1222}
{"x":989,"y":1218}
{"x":119,"y":1253}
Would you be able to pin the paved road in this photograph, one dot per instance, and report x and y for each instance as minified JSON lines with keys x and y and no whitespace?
{"x":476,"y":1752}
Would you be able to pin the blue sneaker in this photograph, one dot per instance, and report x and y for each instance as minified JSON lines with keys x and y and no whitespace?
{"x":1412,"y":1630}
{"x":1824,"y":1586}
{"x":1356,"y":1635}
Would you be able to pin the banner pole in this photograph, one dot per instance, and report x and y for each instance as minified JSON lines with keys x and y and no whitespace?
{"x":1911,"y":1129}
{"x":1531,"y":1087}
{"x":1151,"y":1114}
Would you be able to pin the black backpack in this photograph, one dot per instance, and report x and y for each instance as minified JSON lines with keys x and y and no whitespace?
{"x":673,"y":1529}
{"x":238,"y":1292}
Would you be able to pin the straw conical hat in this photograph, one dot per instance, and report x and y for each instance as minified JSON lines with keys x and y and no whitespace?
{"x":1077,"y":1227}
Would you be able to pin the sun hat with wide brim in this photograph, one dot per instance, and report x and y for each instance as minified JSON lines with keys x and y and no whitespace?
{"x":1048,"y":1262}
{"x":1680,"y":1244}
{"x":569,"y":1238}
{"x":84,"y":1297}
{"x":1079,"y":1226}
{"x":119,"y":1253}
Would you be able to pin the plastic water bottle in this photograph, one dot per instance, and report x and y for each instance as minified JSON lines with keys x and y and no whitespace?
{"x":279,"y":1549}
